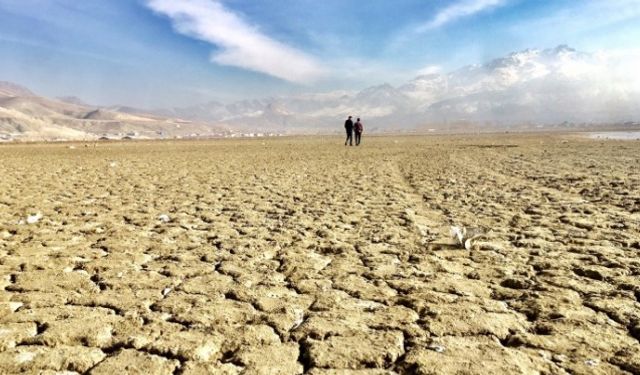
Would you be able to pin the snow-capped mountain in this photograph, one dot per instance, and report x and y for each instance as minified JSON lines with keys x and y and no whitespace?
{"x":530,"y":88}
{"x":542,"y":86}
{"x":534,"y":86}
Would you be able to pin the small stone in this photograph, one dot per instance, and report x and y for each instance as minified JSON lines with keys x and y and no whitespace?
{"x":559,"y":358}
{"x":205,"y":351}
{"x":437,"y":348}
{"x":591,"y":362}
{"x":517,"y":283}
{"x":13,"y":306}
{"x":164,"y":218}
{"x":299,"y":318}
{"x":165,"y":316}
{"x":32,"y":219}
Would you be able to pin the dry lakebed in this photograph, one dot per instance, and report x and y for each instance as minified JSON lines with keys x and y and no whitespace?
{"x":300,"y":255}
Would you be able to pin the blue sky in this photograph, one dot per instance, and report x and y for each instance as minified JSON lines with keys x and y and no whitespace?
{"x":160,"y":53}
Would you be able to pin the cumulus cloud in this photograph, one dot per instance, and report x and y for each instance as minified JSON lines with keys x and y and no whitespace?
{"x":458,"y":10}
{"x":239,"y":43}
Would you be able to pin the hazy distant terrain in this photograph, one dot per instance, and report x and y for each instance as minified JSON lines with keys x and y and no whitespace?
{"x":26,"y":116}
{"x":531,"y":89}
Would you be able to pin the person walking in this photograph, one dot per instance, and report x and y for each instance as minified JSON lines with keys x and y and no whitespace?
{"x":359,"y":128}
{"x":348,"y":126}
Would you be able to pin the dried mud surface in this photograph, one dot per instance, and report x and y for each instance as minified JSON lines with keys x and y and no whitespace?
{"x":300,"y":255}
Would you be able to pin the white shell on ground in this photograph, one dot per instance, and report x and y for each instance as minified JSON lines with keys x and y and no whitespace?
{"x":32,"y":219}
{"x":458,"y":233}
{"x":465,"y":236}
{"x":467,"y":244}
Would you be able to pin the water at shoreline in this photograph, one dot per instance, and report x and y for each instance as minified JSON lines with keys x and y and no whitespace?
{"x":618,"y":135}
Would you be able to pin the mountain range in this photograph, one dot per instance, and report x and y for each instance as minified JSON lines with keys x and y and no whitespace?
{"x":27,"y":116}
{"x":528,"y":88}
{"x":535,"y":87}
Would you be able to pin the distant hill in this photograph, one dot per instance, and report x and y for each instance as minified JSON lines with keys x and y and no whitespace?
{"x":73,"y":100}
{"x":8,"y":89}
{"x":26,"y":116}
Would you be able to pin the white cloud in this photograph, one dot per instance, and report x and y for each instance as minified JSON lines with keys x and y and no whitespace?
{"x":240,"y":44}
{"x":429,"y":69}
{"x":621,"y":67}
{"x":458,"y":10}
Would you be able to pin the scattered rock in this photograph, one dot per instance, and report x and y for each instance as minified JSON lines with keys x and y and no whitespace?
{"x":517,"y":283}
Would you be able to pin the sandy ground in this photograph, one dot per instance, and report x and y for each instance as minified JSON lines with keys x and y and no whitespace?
{"x":300,"y":255}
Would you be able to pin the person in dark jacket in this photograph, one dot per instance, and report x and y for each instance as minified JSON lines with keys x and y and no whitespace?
{"x":348,"y":126}
{"x":359,"y":128}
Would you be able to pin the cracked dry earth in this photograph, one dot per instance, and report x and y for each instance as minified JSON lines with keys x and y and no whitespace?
{"x":300,"y":255}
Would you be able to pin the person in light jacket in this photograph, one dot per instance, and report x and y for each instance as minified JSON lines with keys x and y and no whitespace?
{"x":359,"y":128}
